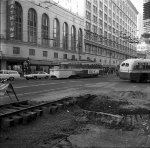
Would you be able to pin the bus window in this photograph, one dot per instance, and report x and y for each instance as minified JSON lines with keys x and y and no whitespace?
{"x":127,"y":65}
{"x":123,"y":64}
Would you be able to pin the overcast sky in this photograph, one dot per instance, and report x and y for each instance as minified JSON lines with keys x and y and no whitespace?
{"x":138,"y":4}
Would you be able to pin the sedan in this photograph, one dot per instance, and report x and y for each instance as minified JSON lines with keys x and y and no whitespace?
{"x":37,"y":75}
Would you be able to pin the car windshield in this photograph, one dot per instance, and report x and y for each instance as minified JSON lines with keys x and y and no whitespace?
{"x":36,"y":72}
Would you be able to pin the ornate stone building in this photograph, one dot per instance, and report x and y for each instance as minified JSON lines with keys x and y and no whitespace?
{"x":38,"y":34}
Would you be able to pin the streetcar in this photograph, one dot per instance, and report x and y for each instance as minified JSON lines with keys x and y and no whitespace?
{"x":80,"y":69}
{"x":135,"y":70}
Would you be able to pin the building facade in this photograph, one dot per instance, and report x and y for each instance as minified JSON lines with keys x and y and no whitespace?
{"x":146,"y":16}
{"x":33,"y":36}
{"x":110,"y":29}
{"x":110,"y":26}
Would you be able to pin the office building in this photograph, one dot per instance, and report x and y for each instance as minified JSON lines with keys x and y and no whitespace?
{"x":35,"y":35}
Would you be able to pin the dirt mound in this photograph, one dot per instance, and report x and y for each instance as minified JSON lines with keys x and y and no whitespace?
{"x":115,"y":103}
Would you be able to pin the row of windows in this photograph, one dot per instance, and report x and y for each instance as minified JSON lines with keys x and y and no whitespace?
{"x":123,"y":16}
{"x":16,"y":50}
{"x":45,"y":29}
{"x":99,"y":51}
{"x":123,"y":26}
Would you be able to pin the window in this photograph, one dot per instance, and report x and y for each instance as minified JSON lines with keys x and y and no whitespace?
{"x":65,"y":56}
{"x":18,"y":22}
{"x":105,"y":17}
{"x":73,"y":57}
{"x":16,"y":50}
{"x":101,"y":4}
{"x":73,"y":38}
{"x":100,"y":22}
{"x":88,"y":15}
{"x":105,"y":26}
{"x":56,"y":33}
{"x":88,"y":5}
{"x":100,"y":13}
{"x":94,"y":19}
{"x":55,"y":55}
{"x":110,"y":20}
{"x":105,"y":9}
{"x":65,"y":36}
{"x":105,"y":34}
{"x":45,"y":53}
{"x":127,"y":64}
{"x":80,"y":40}
{"x":32,"y":52}
{"x":32,"y":26}
{"x":94,"y":9}
{"x":45,"y":29}
{"x":109,"y":28}
{"x":88,"y":26}
{"x":94,"y":29}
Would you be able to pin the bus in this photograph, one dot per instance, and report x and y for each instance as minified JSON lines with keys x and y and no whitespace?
{"x":135,"y":70}
{"x":70,"y":69}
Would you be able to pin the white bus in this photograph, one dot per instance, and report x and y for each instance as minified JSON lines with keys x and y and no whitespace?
{"x":75,"y":69}
{"x":135,"y":70}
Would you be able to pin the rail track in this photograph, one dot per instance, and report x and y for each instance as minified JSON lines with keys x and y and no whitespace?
{"x":25,"y":111}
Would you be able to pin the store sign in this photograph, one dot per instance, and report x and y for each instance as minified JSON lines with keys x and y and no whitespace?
{"x":11,"y":19}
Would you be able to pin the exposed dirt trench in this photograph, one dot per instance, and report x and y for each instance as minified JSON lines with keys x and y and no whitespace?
{"x":108,"y":113}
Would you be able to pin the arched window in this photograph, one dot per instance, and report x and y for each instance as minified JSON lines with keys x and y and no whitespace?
{"x":56,"y":33}
{"x":45,"y":29}
{"x":65,"y":36}
{"x":32,"y":26}
{"x":73,"y":38}
{"x":18,"y":22}
{"x":80,"y":40}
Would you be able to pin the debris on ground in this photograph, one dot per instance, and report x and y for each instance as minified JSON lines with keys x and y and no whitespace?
{"x":118,"y":119}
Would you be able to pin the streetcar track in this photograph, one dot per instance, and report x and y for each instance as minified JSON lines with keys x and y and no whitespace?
{"x":26,"y":111}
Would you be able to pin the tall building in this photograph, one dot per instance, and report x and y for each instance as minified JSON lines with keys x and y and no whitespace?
{"x":146,"y":16}
{"x":110,"y":30}
{"x":38,"y":33}
{"x":140,"y":29}
{"x":44,"y":31}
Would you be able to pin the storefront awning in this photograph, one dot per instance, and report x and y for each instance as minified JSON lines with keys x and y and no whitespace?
{"x":40,"y":62}
{"x":16,"y":59}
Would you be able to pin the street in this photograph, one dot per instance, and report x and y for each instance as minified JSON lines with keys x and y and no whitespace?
{"x":46,"y":90}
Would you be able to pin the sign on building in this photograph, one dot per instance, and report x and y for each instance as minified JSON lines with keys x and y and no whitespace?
{"x":11,"y":19}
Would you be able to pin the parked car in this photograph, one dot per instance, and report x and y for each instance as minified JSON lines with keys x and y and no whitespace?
{"x":37,"y":75}
{"x":9,"y":74}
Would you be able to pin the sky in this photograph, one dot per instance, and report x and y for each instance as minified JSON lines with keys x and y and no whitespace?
{"x":138,"y":4}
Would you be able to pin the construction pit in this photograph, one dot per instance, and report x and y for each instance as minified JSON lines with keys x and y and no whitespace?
{"x":119,"y":119}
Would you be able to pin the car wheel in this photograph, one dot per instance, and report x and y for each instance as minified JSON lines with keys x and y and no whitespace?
{"x":27,"y":78}
{"x":34,"y":78}
{"x":11,"y":78}
{"x":46,"y":77}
